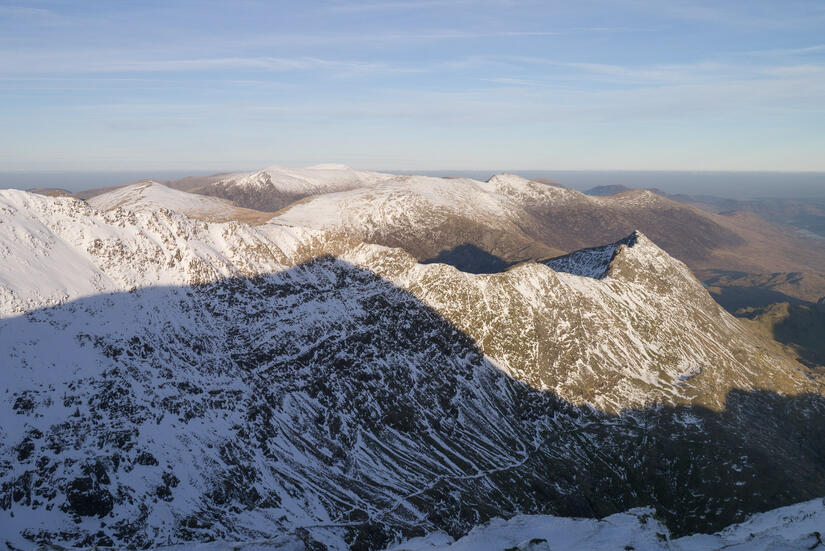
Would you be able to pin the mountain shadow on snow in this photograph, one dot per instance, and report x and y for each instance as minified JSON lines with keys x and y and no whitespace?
{"x":325,"y":402}
{"x":470,"y":258}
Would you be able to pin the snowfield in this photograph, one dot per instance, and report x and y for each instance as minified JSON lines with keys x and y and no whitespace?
{"x":793,"y":528}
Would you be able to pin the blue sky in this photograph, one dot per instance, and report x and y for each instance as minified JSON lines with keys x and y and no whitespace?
{"x":429,"y":84}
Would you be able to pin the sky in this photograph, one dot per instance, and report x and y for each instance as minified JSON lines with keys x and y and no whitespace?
{"x":413,"y":85}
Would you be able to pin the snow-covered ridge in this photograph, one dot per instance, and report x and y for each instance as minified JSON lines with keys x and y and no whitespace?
{"x":58,"y":249}
{"x":401,"y":200}
{"x":123,"y":250}
{"x":793,"y":528}
{"x":508,"y":217}
{"x":323,"y":178}
{"x":499,"y":198}
{"x":633,"y":258}
{"x":150,"y":196}
{"x":343,"y":390}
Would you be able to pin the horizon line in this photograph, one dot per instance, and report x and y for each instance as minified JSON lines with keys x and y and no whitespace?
{"x":412,"y":171}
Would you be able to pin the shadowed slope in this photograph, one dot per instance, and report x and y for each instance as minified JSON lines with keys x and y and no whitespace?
{"x":326,"y":402}
{"x":194,"y":381}
{"x":471,"y":259}
{"x":798,"y":326}
{"x":735,"y":290}
{"x":553,"y":330}
{"x":592,"y":262}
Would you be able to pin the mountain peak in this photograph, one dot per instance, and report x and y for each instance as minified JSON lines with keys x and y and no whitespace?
{"x":636,"y":257}
{"x":595,"y":262}
{"x":507,"y":178}
{"x":275,"y":187}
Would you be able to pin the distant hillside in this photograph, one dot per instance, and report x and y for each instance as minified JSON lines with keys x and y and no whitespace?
{"x":806,"y":217}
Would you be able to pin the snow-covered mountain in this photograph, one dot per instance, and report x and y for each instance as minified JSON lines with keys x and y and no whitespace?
{"x":151,"y":196}
{"x":515,"y":219}
{"x":428,"y":216}
{"x":486,"y":226}
{"x":275,"y":187}
{"x":169,"y":379}
{"x":694,"y":339}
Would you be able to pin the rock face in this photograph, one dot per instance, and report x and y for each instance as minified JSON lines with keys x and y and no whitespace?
{"x":172,"y":380}
{"x":593,"y":262}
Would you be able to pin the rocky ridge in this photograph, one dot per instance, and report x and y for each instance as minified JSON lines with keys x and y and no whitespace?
{"x":516,"y":219}
{"x":347,"y":394}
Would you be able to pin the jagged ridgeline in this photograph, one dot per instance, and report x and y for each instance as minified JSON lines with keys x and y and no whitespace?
{"x":171,"y":380}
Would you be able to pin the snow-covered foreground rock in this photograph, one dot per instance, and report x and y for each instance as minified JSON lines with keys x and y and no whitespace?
{"x":793,"y":528}
{"x":796,"y":527}
{"x":170,"y":380}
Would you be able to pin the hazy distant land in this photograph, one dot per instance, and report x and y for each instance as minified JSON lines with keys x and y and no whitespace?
{"x":733,"y":185}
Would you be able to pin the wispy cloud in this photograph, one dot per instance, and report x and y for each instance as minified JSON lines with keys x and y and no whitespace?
{"x":88,"y":62}
{"x":29,"y":13}
{"x":393,"y":5}
{"x":753,"y":14}
{"x":487,"y":74}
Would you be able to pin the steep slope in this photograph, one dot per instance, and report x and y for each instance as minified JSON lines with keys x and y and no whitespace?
{"x":592,"y":262}
{"x":220,"y":381}
{"x":647,"y":331}
{"x":275,"y":187}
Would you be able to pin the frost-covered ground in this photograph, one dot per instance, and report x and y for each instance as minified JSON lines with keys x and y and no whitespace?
{"x":796,"y":527}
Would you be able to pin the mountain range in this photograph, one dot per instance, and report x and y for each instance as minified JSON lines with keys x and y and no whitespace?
{"x":356,"y":358}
